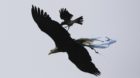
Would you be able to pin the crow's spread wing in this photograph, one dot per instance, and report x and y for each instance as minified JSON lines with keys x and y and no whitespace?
{"x":64,"y":14}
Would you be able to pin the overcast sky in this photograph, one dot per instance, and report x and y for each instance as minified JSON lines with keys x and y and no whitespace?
{"x":24,"y":48}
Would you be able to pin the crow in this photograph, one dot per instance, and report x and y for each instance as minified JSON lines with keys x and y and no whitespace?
{"x":66,"y":16}
{"x":77,"y":54}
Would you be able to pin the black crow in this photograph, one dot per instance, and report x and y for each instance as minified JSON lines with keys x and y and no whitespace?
{"x":66,"y":16}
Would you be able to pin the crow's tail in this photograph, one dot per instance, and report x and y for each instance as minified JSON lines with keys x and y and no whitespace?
{"x":79,"y":20}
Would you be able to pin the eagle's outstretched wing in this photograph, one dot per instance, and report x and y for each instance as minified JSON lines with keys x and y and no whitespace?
{"x":77,"y":54}
{"x":64,"y":14}
{"x":40,"y":17}
{"x":49,"y":26}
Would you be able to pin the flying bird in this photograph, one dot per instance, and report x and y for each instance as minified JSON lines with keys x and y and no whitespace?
{"x":67,"y":17}
{"x":77,"y":54}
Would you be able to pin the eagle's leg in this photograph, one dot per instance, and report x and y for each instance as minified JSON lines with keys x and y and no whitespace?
{"x":95,"y":51}
{"x":91,"y":46}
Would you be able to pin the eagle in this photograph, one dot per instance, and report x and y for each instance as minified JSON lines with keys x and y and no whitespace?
{"x":66,"y":16}
{"x":77,"y":54}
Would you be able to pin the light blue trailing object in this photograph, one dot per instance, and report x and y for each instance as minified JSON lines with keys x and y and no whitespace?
{"x":99,"y":42}
{"x":104,"y":43}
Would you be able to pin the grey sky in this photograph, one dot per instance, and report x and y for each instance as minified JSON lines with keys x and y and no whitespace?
{"x":24,"y":48}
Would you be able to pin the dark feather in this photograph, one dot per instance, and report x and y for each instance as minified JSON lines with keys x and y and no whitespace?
{"x":64,"y":14}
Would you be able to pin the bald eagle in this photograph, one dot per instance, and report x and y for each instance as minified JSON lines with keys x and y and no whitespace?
{"x":66,"y":16}
{"x":77,"y":54}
